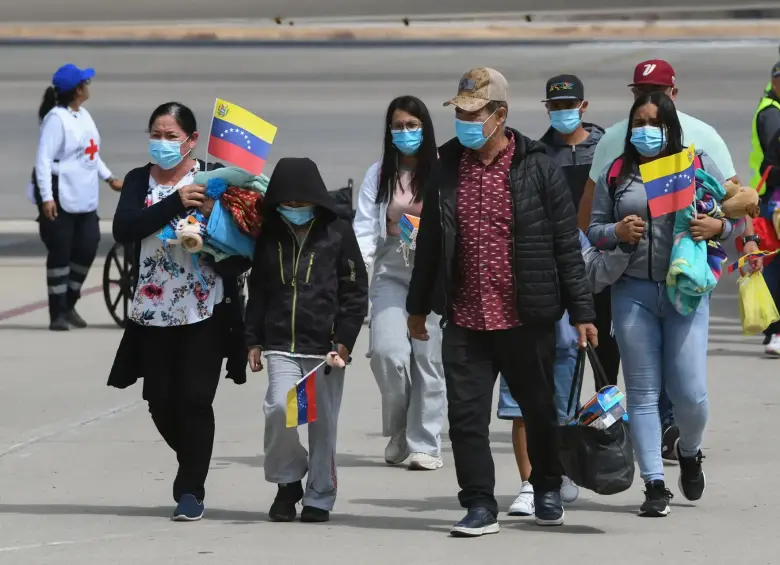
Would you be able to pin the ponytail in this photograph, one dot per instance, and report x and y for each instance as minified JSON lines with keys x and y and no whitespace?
{"x":49,"y":101}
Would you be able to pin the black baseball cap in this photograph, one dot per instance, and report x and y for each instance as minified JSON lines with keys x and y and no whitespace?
{"x":564,"y":87}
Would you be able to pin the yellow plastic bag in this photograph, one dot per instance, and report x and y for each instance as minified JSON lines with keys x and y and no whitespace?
{"x":756,"y":306}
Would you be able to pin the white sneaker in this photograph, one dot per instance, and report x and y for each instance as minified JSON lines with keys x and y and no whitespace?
{"x":397,"y":450}
{"x":425,"y":462}
{"x":773,"y":347}
{"x":524,"y":503}
{"x":569,"y":491}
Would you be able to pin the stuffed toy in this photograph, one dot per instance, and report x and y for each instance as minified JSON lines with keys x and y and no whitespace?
{"x":740,"y":201}
{"x":188,"y":234}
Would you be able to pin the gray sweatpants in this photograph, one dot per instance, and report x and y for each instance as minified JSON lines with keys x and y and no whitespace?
{"x":409,"y":373}
{"x":286,"y":460}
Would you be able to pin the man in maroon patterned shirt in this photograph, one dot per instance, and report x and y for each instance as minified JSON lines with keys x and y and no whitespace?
{"x":499,"y":257}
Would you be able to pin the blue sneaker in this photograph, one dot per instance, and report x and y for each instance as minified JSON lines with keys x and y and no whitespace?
{"x":189,"y":509}
{"x":548,"y":509}
{"x":477,"y":522}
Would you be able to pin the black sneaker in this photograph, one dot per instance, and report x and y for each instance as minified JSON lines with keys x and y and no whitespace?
{"x":668,"y":441}
{"x":477,"y":522}
{"x":283,"y":507}
{"x":548,"y":508}
{"x":657,"y":497}
{"x":692,"y":481}
{"x":189,"y":509}
{"x":59,"y":324}
{"x":312,"y":514}
{"x":75,"y":320}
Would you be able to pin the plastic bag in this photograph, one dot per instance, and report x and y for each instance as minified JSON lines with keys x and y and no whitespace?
{"x":756,"y":305}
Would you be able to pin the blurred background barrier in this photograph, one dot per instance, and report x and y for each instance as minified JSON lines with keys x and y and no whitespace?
{"x":286,"y":10}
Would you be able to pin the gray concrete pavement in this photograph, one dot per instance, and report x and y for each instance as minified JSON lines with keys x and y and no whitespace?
{"x":85,"y":478}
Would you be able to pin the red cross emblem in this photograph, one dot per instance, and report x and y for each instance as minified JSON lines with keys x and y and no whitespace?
{"x":91,"y":150}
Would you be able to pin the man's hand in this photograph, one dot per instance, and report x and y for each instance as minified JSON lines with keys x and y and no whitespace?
{"x":256,"y":359}
{"x":704,"y":227}
{"x":343,"y":352}
{"x":417,"y":329}
{"x":587,"y":333}
{"x":49,"y":209}
{"x":630,"y":229}
{"x":756,"y":263}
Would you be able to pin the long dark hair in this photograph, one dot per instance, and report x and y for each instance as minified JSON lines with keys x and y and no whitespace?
{"x":426,"y":155}
{"x":52,"y":97}
{"x":667,"y":114}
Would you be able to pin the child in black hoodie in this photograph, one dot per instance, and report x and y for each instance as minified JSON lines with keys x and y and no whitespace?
{"x":308,"y":296}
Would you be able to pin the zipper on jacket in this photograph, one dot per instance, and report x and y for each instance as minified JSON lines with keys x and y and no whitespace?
{"x":649,"y":244}
{"x":293,"y":281}
{"x":444,"y":317}
{"x":311,"y":262}
{"x":281,"y":264}
{"x":574,"y":154}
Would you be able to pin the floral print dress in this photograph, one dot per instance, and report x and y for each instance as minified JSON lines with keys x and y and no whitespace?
{"x":169,"y":291}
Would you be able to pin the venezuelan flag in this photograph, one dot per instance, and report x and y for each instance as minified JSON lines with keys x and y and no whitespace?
{"x":670,"y":182}
{"x":239,"y":137}
{"x":302,"y":400}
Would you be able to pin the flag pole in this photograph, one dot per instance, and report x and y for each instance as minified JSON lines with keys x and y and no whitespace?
{"x":211,"y":124}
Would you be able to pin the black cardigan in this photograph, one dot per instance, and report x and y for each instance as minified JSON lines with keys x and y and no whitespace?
{"x":134,"y":222}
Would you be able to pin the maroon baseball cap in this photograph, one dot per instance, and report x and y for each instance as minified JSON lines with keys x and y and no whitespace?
{"x":655,"y":72}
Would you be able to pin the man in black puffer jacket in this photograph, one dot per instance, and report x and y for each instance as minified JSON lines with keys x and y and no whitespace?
{"x":499,"y":257}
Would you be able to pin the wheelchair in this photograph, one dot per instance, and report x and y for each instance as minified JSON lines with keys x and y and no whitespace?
{"x":119,"y":268}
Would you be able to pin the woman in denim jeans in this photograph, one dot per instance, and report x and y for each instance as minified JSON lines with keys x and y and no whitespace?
{"x":657,"y":344}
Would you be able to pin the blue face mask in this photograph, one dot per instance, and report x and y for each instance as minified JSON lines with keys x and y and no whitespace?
{"x":648,"y":140}
{"x":565,"y":121}
{"x":167,"y":154}
{"x":470,"y":133}
{"x":297,"y":216}
{"x":407,"y":142}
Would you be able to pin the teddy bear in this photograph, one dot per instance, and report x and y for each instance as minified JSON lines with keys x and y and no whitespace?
{"x":739,"y":201}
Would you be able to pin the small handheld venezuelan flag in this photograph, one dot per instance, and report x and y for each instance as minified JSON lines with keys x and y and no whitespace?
{"x":742,"y":260}
{"x":670,"y":182}
{"x":239,"y":137}
{"x":302,"y":400}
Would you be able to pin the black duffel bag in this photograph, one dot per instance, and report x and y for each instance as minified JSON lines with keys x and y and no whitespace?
{"x":598,"y":460}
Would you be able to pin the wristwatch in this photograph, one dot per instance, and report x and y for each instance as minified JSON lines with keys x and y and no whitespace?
{"x":754,"y":238}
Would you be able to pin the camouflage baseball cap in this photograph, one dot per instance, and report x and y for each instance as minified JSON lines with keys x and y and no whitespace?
{"x":478,"y":87}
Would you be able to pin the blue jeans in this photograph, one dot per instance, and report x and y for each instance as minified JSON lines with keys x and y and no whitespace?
{"x":564,"y":373}
{"x":660,"y":347}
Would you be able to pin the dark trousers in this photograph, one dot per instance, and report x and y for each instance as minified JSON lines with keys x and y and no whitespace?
{"x":607,"y":351}
{"x":472,"y":359}
{"x":181,"y":367}
{"x":772,"y":277}
{"x":72,"y":242}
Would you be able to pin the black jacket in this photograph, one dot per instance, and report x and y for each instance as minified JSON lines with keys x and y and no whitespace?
{"x":304,"y":297}
{"x":548,"y":268}
{"x":134,"y":222}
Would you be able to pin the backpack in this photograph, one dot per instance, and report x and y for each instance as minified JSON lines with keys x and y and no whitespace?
{"x":617,"y":164}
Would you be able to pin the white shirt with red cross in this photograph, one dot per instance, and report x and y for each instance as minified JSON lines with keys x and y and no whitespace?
{"x":71,"y":139}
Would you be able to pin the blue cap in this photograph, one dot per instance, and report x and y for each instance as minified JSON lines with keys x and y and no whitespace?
{"x":69,"y":76}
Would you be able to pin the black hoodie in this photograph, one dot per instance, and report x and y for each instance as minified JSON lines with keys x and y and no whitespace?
{"x":304,"y":296}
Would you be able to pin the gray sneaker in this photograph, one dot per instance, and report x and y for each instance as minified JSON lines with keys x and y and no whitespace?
{"x":569,"y":491}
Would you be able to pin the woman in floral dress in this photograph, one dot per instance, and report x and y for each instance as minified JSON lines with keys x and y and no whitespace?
{"x":186,"y":312}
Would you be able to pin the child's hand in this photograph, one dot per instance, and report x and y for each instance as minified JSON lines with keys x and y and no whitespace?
{"x":256,"y":359}
{"x":334,"y":359}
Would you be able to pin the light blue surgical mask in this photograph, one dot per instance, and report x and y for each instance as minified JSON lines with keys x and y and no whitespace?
{"x":470,"y":133}
{"x":297,"y":216}
{"x":565,"y":121}
{"x":648,"y":140}
{"x":407,"y":142}
{"x":166,"y":153}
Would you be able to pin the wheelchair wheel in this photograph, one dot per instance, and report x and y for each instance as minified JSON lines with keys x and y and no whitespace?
{"x":118,"y":283}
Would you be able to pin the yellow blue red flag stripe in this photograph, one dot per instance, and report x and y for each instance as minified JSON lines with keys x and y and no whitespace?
{"x":302,"y":400}
{"x":670,"y":182}
{"x":239,"y":137}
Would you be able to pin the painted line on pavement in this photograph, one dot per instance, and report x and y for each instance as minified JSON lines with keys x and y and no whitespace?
{"x":33,"y":306}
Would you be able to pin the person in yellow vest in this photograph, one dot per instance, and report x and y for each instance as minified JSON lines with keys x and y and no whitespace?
{"x":765,"y":155}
